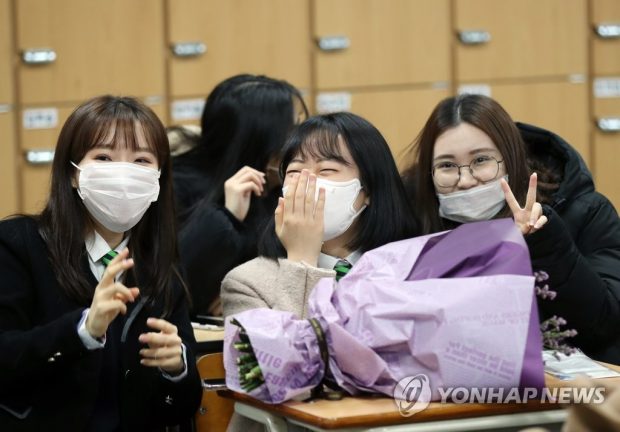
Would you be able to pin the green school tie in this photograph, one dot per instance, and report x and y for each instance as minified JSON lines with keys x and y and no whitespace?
{"x":342,"y":267}
{"x":108,"y":257}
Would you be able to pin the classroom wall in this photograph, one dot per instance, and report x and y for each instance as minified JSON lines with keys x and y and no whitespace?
{"x":554,"y":63}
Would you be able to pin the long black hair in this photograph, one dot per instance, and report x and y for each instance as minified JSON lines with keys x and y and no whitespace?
{"x":388,"y":216}
{"x":65,"y":222}
{"x":245,"y":121}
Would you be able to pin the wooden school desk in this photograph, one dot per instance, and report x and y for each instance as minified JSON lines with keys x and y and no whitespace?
{"x":380,"y":414}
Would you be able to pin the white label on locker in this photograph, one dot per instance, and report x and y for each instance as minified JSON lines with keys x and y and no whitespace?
{"x":607,"y":87}
{"x":479,"y":89}
{"x":333,"y":102}
{"x":40,"y":118}
{"x":187,"y":109}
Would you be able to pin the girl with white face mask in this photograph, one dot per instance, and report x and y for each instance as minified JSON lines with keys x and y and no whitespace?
{"x":473,"y":162}
{"x":94,"y":307}
{"x":342,"y":196}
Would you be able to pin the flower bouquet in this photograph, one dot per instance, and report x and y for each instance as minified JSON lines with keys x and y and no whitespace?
{"x":457,"y":306}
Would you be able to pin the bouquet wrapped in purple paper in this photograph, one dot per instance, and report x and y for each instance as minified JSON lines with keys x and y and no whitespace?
{"x":457,"y":306}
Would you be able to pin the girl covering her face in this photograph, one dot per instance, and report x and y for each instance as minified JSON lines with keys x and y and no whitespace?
{"x":342,"y":196}
{"x":94,"y":323}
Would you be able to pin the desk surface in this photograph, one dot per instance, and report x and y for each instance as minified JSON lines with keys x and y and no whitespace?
{"x":209,"y":341}
{"x":382,"y":411}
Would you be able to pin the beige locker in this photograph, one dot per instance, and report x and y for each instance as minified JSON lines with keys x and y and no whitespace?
{"x":561,"y":107}
{"x":398,"y":114}
{"x":361,"y":43}
{"x":606,"y":40}
{"x":6,"y":53}
{"x":74,"y":49}
{"x":37,"y":149}
{"x":607,"y":147}
{"x":8,"y":171}
{"x":520,"y":38}
{"x":8,"y":160}
{"x":211,"y":40}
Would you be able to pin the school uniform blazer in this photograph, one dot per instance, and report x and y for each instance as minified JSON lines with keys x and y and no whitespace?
{"x":282,"y":285}
{"x":48,"y":379}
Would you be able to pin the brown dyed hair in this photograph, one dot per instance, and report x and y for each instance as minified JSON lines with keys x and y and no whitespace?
{"x":65,"y":221}
{"x":488,"y":116}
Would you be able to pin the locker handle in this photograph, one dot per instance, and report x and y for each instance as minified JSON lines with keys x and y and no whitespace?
{"x":608,"y":30}
{"x":474,"y":37}
{"x":609,"y":124}
{"x":37,"y":56}
{"x":39,"y":157}
{"x":189,"y":49}
{"x":334,"y":43}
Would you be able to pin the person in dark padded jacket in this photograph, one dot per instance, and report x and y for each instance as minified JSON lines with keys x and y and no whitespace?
{"x":227,"y":186}
{"x":472,"y":162}
{"x":94,"y":323}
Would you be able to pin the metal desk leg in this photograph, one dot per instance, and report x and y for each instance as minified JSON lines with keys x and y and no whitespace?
{"x":272,"y":423}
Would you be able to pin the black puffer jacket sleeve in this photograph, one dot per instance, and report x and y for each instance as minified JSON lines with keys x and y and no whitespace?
{"x":579,"y":248}
{"x":211,"y":243}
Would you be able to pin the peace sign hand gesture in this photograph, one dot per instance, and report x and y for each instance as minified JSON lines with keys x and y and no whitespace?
{"x":530,"y":218}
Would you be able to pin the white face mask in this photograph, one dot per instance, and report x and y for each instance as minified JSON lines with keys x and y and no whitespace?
{"x":339,"y":213}
{"x":117,"y":194}
{"x":475,"y":204}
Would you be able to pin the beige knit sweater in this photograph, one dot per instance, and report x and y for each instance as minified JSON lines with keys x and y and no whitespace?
{"x":282,"y":285}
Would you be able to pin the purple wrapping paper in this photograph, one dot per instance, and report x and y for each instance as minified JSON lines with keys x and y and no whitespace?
{"x":458,"y":306}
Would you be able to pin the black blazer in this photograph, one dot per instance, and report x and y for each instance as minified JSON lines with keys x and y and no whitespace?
{"x":48,"y":380}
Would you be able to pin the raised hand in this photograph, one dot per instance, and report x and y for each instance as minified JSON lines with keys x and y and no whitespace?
{"x":530,"y":218}
{"x":299,"y":219}
{"x":164,"y":347}
{"x":239,"y":188}
{"x":110,"y":297}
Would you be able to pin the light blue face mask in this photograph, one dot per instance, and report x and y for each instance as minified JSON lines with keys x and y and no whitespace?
{"x":472,"y":205}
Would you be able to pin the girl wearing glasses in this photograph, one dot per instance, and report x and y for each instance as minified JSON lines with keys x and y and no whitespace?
{"x":472,"y":163}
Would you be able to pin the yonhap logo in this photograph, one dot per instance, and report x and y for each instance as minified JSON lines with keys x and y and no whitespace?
{"x":412,"y":394}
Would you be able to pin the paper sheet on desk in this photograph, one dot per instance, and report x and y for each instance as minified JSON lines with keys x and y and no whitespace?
{"x":211,"y":327}
{"x":570,"y":367}
{"x":458,"y":307}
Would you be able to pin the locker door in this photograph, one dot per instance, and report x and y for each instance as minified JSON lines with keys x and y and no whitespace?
{"x":606,"y":41}
{"x":6,"y":53}
{"x":561,"y":107}
{"x":211,"y":40}
{"x":398,"y":114}
{"x":75,"y":49}
{"x":375,"y":42}
{"x":607,"y":148}
{"x":38,"y":137}
{"x":520,"y":38}
{"x":8,"y":173}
